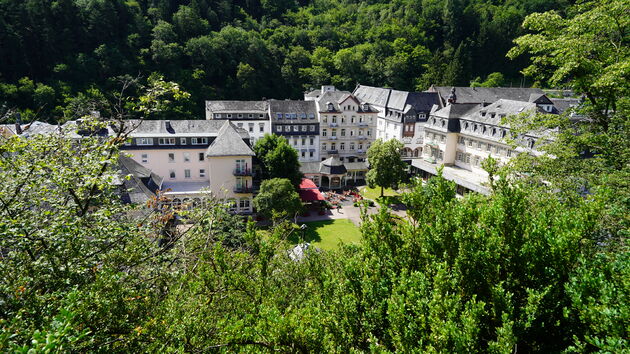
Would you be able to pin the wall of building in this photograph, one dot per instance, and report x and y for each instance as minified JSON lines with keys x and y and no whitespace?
{"x":159,"y":162}
{"x":256,"y":128}
{"x":223,"y":180}
{"x":356,"y":131}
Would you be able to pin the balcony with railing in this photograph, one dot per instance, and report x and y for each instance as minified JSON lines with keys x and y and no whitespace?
{"x":332,"y":137}
{"x":332,"y":125}
{"x":362,"y":124}
{"x":333,"y":151}
{"x":242,"y":172}
{"x":362,"y":137}
{"x":243,"y":189}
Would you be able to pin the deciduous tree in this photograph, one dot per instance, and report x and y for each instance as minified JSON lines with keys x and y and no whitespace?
{"x":387,"y":168}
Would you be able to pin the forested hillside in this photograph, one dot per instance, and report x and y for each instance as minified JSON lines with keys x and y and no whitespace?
{"x":56,"y":56}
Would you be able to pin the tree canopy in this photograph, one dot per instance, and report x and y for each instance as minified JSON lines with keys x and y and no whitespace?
{"x":387,"y":168}
{"x":53,"y":52}
{"x":278,"y":159}
{"x":277,"y":198}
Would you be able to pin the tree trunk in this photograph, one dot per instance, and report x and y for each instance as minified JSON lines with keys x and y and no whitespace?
{"x":381,"y":191}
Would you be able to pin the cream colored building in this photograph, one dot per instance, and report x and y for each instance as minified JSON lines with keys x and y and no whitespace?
{"x":196,"y":159}
{"x":347,"y":125}
{"x":461,"y":135}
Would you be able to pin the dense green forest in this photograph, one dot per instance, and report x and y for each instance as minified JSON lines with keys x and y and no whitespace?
{"x":57,"y":55}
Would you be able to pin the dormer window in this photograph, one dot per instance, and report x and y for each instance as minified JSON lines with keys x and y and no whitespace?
{"x":443,"y":122}
{"x":483,"y":113}
{"x":530,"y":143}
{"x":331,"y":107}
{"x":366,"y":107}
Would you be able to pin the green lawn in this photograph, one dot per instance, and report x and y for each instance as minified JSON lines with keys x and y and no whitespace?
{"x":327,"y":234}
{"x":390,"y":195}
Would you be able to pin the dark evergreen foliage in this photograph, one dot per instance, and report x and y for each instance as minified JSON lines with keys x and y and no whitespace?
{"x":219,"y":49}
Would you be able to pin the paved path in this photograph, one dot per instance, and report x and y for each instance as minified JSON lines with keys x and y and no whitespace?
{"x":351,"y":213}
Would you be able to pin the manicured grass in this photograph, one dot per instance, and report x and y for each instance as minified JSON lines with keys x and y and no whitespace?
{"x":374,"y":193}
{"x":327,"y":234}
{"x":390,"y":195}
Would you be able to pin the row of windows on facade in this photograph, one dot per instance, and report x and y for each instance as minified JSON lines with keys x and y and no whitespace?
{"x":481,"y":146}
{"x":353,"y":119}
{"x":311,"y":141}
{"x":250,"y":127}
{"x":398,"y":115}
{"x":333,"y":132}
{"x":170,"y":141}
{"x":239,"y":115}
{"x":172,"y":174}
{"x":243,"y":203}
{"x":295,"y":115}
{"x":331,"y":107}
{"x":342,"y":146}
{"x":485,"y":130}
{"x":171,"y":157}
{"x":296,"y":128}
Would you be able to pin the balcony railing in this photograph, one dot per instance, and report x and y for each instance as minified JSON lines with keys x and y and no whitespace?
{"x":242,"y":172}
{"x":361,"y":137}
{"x":362,"y":124}
{"x":333,"y":151}
{"x":332,"y":125}
{"x":243,"y":189}
{"x":333,"y":138}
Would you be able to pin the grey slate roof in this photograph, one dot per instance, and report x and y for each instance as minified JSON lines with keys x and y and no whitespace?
{"x":236,"y":106}
{"x":491,"y":117}
{"x":338,"y":97}
{"x":332,"y":166}
{"x":563,"y":104}
{"x":401,"y":101}
{"x":33,"y":128}
{"x":292,"y":106}
{"x":177,"y":127}
{"x":141,"y":185}
{"x":377,"y":96}
{"x":485,"y":94}
{"x":228,"y":143}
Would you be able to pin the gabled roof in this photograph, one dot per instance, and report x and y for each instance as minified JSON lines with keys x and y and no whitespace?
{"x":228,"y":143}
{"x":338,"y":97}
{"x":141,"y":183}
{"x":377,"y":96}
{"x":397,"y":100}
{"x":539,"y":98}
{"x":332,"y":166}
{"x":485,"y":94}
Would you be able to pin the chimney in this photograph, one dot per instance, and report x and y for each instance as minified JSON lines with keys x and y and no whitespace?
{"x":18,"y":124}
{"x":167,"y":123}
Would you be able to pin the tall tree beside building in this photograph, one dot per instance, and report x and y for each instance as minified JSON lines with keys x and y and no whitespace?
{"x":277,"y":198}
{"x":387,"y":168}
{"x":278,"y":159}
